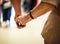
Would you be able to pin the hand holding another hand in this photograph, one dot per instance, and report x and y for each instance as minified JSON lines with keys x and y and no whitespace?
{"x":21,"y":20}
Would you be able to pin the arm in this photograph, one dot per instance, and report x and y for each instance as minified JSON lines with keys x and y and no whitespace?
{"x":41,"y":9}
{"x":1,"y":1}
{"x":37,"y":11}
{"x":17,"y":6}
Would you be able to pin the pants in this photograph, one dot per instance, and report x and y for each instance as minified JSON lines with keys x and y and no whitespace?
{"x":0,"y":12}
{"x":6,"y":14}
{"x":28,"y":5}
{"x":51,"y":30}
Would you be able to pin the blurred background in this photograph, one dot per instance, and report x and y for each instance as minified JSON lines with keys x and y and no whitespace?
{"x":10,"y":34}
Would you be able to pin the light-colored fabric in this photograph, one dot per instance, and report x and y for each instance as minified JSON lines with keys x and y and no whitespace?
{"x":7,"y":5}
{"x":54,"y":2}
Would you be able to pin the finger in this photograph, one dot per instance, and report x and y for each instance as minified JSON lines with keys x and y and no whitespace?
{"x":16,"y":19}
{"x":20,"y":25}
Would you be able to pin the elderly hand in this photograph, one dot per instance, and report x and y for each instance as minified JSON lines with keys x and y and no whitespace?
{"x":19,"y":25}
{"x":22,"y":20}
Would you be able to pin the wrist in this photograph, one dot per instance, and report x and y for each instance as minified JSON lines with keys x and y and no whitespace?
{"x":28,"y":17}
{"x":17,"y":14}
{"x":31,"y":15}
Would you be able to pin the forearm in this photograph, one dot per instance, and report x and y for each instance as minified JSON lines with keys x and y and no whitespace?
{"x":17,"y":6}
{"x":1,"y":1}
{"x":41,"y":9}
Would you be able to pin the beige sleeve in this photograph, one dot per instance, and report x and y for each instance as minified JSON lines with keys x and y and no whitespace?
{"x":53,"y":2}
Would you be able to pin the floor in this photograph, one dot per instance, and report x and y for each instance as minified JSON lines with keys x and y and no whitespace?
{"x":31,"y":34}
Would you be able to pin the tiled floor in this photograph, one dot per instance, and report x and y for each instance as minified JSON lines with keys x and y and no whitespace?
{"x":31,"y":34}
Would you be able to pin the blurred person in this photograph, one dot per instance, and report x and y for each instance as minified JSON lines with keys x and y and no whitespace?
{"x":1,"y":1}
{"x":29,"y":5}
{"x":51,"y":30}
{"x":6,"y":13}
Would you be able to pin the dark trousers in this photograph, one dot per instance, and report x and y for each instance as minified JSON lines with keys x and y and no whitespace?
{"x":28,"y":5}
{"x":6,"y":14}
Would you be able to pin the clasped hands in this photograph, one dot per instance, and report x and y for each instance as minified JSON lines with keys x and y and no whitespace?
{"x":21,"y":20}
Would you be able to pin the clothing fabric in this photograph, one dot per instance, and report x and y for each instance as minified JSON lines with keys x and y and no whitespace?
{"x":51,"y":30}
{"x":6,"y":11}
{"x":0,"y":8}
{"x":28,"y":5}
{"x":53,"y":2}
{"x":7,"y":14}
{"x":0,"y":13}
